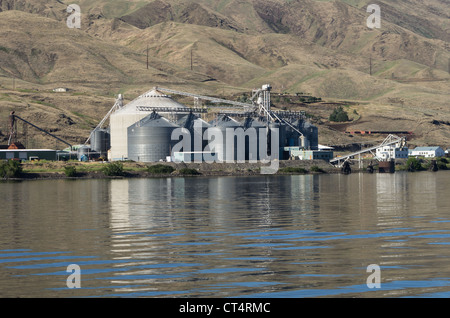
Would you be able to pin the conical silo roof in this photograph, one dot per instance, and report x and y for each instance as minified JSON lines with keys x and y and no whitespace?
{"x":154,"y":120}
{"x":254,"y":122}
{"x":133,"y":112}
{"x":225,"y":121}
{"x":153,"y":98}
{"x":190,"y":120}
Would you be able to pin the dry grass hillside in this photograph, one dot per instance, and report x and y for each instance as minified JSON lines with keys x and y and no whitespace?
{"x":388,"y":79}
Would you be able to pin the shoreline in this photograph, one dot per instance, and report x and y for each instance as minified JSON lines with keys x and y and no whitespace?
{"x":93,"y":170}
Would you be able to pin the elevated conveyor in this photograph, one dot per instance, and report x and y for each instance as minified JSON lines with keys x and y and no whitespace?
{"x":390,"y":140}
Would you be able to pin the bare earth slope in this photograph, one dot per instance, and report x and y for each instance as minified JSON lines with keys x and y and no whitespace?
{"x":393,"y":78}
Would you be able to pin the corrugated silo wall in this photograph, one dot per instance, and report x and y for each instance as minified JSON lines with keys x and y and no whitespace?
{"x":197,"y":128}
{"x":274,"y":151}
{"x":313,"y":137}
{"x":222,"y":147}
{"x":292,"y":136}
{"x":100,"y":141}
{"x":150,"y":143}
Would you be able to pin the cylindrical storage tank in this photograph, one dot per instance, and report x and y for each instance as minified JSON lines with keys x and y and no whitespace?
{"x":150,"y":139}
{"x":277,"y":153}
{"x":254,"y":128}
{"x":83,"y":153}
{"x":304,"y":142}
{"x":93,"y":140}
{"x":100,"y":141}
{"x":311,"y":133}
{"x":196,"y":127}
{"x":313,"y":136}
{"x":134,"y":111}
{"x":225,"y":142}
{"x":293,"y":137}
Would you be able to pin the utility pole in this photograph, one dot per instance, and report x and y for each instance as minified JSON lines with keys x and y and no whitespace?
{"x":14,"y":83}
{"x":25,"y":134}
{"x":370,"y":66}
{"x":192,"y":67}
{"x":147,"y":56}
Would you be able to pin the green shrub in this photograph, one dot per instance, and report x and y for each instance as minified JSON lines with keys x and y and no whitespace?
{"x":293,"y":170}
{"x":442,"y":165}
{"x":113,"y":169}
{"x":10,"y":169}
{"x":189,"y":171}
{"x":160,"y":169}
{"x":339,"y":115}
{"x":316,"y":169}
{"x":70,"y":171}
{"x":413,"y":164}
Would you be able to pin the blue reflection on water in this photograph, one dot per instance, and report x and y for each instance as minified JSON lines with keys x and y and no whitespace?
{"x":355,"y":289}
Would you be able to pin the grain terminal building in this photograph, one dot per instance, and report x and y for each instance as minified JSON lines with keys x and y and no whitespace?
{"x":142,"y":129}
{"x":133,"y":113}
{"x":151,"y":128}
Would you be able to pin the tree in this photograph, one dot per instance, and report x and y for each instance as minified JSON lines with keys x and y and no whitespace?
{"x":339,"y":115}
{"x":413,"y":164}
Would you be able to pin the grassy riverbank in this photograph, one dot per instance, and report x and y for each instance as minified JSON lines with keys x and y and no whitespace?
{"x":74,"y":169}
{"x":88,"y":170}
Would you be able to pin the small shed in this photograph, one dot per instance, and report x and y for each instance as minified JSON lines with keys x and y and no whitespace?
{"x":61,"y":89}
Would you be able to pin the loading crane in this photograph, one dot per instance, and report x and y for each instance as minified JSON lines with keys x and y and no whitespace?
{"x":389,"y":140}
{"x":117,"y":105}
{"x":13,"y":132}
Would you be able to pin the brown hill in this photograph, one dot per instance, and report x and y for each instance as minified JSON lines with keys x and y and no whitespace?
{"x":322,"y":48}
{"x":185,"y":12}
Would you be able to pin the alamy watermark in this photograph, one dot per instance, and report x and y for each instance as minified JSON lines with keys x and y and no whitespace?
{"x":374,"y":279}
{"x":230,"y":145}
{"x":374,"y":20}
{"x":74,"y":279}
{"x":74,"y":19}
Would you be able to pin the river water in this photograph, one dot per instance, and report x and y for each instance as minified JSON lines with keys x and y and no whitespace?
{"x":263,"y":236}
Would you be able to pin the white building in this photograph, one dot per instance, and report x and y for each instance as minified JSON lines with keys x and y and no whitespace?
{"x":61,"y":90}
{"x":427,"y":152}
{"x":391,"y":152}
{"x":134,"y":111}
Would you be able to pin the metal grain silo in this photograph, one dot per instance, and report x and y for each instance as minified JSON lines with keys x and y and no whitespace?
{"x":100,"y":141}
{"x":134,"y":111}
{"x":254,"y":127}
{"x":196,"y":128}
{"x":149,"y":140}
{"x":83,"y":153}
{"x":311,"y":133}
{"x":279,"y":128}
{"x":309,"y":138}
{"x":223,"y":134}
{"x":293,"y":137}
